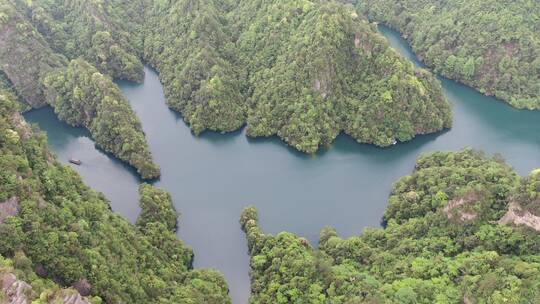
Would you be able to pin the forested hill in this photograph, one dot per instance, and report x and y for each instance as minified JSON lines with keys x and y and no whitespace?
{"x":462,"y":228}
{"x":302,"y":70}
{"x":47,"y":61}
{"x":491,"y":45}
{"x":101,"y":32}
{"x":53,"y":227}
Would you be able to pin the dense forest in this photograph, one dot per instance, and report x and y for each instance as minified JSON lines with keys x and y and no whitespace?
{"x":462,"y":228}
{"x":302,"y":70}
{"x":490,"y":45}
{"x":7,"y":86}
{"x":35,"y":65}
{"x":96,"y":31}
{"x":21,"y":284}
{"x":54,"y":225}
{"x":81,"y":96}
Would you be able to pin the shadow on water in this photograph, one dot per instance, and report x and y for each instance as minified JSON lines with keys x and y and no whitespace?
{"x":97,"y":166}
{"x":345,"y":144}
{"x":278,"y":143}
{"x":48,"y":121}
{"x":221,"y":138}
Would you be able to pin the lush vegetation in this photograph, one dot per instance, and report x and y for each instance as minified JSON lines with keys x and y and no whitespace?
{"x":442,"y":243}
{"x":490,"y":45}
{"x":302,"y":70}
{"x":188,"y":43}
{"x":93,"y":30}
{"x":68,"y":232}
{"x":528,"y":197}
{"x":156,"y":207}
{"x":7,"y":86}
{"x":25,"y":57}
{"x":81,"y":96}
{"x":35,"y":289}
{"x":461,"y":229}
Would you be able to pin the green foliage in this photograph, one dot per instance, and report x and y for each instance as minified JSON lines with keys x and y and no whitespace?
{"x":89,"y":29}
{"x":302,"y":70}
{"x":39,"y":290}
{"x":189,"y":46}
{"x":528,"y":196}
{"x":70,"y":230}
{"x":490,"y":45}
{"x":156,"y":207}
{"x":466,"y":177}
{"x":8,"y":88}
{"x":332,"y":72}
{"x":433,"y":249}
{"x":25,"y":57}
{"x":82,"y":96}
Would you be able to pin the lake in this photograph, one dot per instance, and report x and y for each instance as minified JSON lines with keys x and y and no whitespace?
{"x":214,"y":176}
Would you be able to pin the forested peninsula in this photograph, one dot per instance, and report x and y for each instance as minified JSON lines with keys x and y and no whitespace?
{"x":46,"y":61}
{"x":490,"y":45}
{"x":53,"y":227}
{"x":462,"y":228}
{"x":302,"y":70}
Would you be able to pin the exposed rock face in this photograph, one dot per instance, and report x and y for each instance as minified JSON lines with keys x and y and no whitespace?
{"x":9,"y":208}
{"x":14,"y":290}
{"x":455,"y":210}
{"x":517,"y":216}
{"x":72,"y":297}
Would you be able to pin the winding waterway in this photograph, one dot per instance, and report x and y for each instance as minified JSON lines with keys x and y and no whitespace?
{"x":214,"y":176}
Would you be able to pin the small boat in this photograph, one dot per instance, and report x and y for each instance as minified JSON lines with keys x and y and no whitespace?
{"x":394,"y":142}
{"x":75,"y":161}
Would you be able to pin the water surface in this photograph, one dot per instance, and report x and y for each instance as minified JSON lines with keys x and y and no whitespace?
{"x":214,"y":176}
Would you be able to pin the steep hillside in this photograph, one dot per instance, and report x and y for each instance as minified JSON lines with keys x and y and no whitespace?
{"x":302,"y":70}
{"x":334,"y":73}
{"x":442,"y":244}
{"x":491,"y":45}
{"x":189,"y":45}
{"x":20,"y":284}
{"x":80,"y":94}
{"x":68,"y":232}
{"x":524,"y":208}
{"x":91,"y":30}
{"x":25,"y":57}
{"x":7,"y":86}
